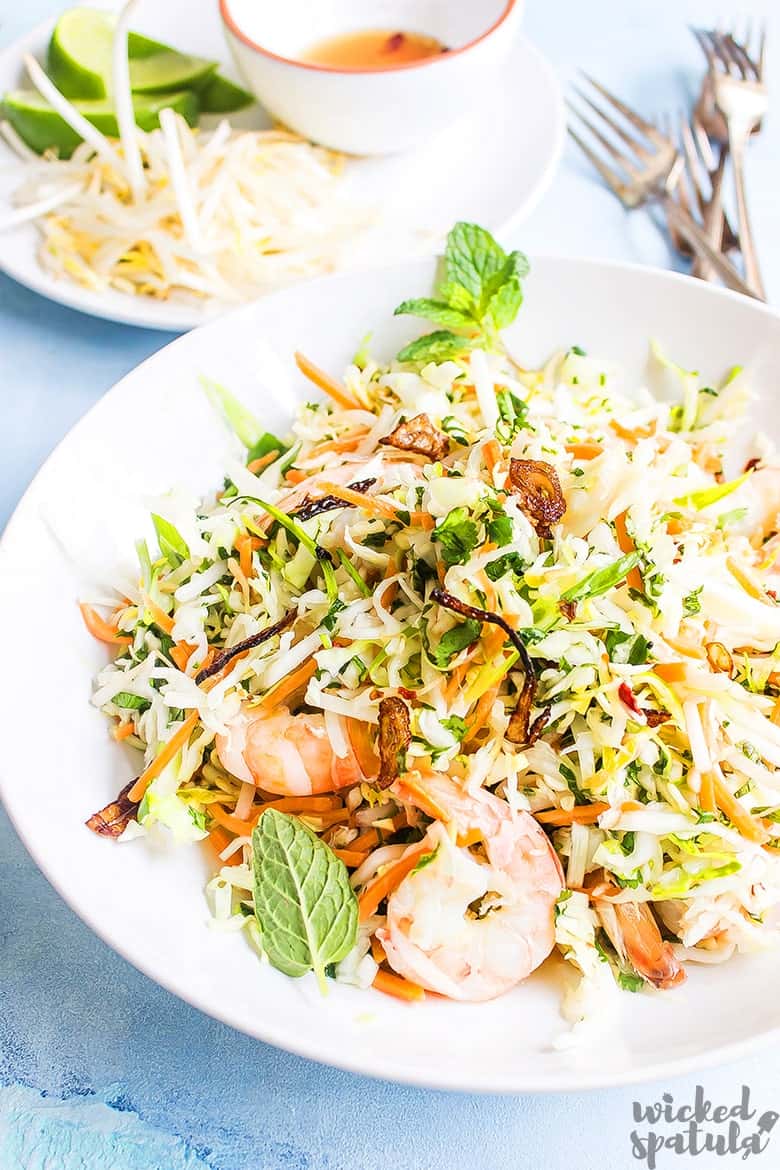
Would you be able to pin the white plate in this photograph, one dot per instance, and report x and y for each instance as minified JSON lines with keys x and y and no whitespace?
{"x":491,"y":169}
{"x":154,"y":430}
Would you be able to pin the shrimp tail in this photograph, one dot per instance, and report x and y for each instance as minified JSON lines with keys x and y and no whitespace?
{"x":633,"y":931}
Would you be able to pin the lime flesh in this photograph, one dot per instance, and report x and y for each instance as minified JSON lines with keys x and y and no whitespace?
{"x":42,"y":128}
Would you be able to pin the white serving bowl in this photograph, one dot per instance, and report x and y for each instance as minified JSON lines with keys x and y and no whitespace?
{"x":80,"y":516}
{"x":370,"y":111}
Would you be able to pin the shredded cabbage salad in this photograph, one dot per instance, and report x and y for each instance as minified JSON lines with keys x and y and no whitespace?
{"x":527,"y":585}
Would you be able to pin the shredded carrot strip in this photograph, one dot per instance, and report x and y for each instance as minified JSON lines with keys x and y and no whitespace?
{"x":325,"y":382}
{"x":366,"y":841}
{"x":388,"y":594}
{"x":320,"y":806}
{"x":470,"y":837}
{"x":707,"y":793}
{"x":218,"y":840}
{"x":671,"y":672}
{"x":258,"y":464}
{"x":634,"y":577}
{"x":244,"y":546}
{"x":177,"y":741}
{"x":123,"y":730}
{"x":749,"y":826}
{"x":161,"y":618}
{"x":302,"y":804}
{"x":492,"y":453}
{"x":631,"y":435}
{"x":423,"y":801}
{"x":350,"y":857}
{"x":345,"y":443}
{"x":457,"y":675}
{"x":585,"y":450}
{"x":181,"y":654}
{"x":674,"y":526}
{"x":289,"y":685}
{"x":295,"y":475}
{"x":582,"y":814}
{"x":392,"y":877}
{"x":377,"y":951}
{"x":362,"y":744}
{"x":101,"y":629}
{"x":482,"y":712}
{"x":398,"y":987}
{"x":422,"y":520}
{"x":366,"y":503}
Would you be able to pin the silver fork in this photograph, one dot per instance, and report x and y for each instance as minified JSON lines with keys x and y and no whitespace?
{"x":741,"y":96}
{"x":703,"y":174}
{"x":647,"y":172}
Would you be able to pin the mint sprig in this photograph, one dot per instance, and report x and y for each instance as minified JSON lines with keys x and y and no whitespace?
{"x":480,"y":295}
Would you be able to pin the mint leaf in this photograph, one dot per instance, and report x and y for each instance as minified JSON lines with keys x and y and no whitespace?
{"x":691,"y":602}
{"x":130,"y":702}
{"x":503,"y":294}
{"x":456,"y":296}
{"x":456,"y":726}
{"x":172,"y":545}
{"x":305,"y":907}
{"x":438,"y":311}
{"x":602,"y":580}
{"x":500,"y":530}
{"x":455,"y":640}
{"x":439,"y":346}
{"x":472,"y":257}
{"x":509,"y":562}
{"x":458,"y":536}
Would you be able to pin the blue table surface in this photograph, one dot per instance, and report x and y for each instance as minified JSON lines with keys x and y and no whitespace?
{"x":102,"y":1070}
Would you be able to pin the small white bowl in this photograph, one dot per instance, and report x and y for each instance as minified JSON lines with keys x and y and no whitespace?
{"x":369,"y":111}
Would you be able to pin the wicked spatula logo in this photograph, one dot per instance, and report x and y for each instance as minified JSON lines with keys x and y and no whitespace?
{"x":667,"y":1127}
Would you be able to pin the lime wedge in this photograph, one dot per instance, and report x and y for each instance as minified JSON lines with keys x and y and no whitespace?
{"x":79,"y":61}
{"x":42,"y":128}
{"x":221,"y":96}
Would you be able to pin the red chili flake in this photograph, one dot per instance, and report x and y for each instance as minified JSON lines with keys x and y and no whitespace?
{"x":407,"y":694}
{"x":626,"y":696}
{"x":394,"y":43}
{"x":568,"y":609}
{"x":752,"y":464}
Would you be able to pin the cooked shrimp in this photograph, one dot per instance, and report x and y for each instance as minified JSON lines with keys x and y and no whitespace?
{"x":289,"y":755}
{"x":633,"y":931}
{"x":472,"y":927}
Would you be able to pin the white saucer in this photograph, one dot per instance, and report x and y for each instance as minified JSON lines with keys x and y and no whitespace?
{"x":492,"y":169}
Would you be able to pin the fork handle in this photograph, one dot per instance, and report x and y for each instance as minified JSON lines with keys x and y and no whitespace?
{"x":697,"y":238}
{"x":752,"y":269}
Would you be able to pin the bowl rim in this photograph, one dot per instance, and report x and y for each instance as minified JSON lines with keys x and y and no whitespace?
{"x":360,"y":71}
{"x":450,"y":1079}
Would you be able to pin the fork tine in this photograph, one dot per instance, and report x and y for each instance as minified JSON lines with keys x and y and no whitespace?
{"x":706,"y":45}
{"x":641,"y":151}
{"x":610,"y":177}
{"x":645,"y":127}
{"x":620,"y":158}
{"x":731,"y":54}
{"x":692,"y":169}
{"x":702,"y":139}
{"x":762,"y":52}
{"x":739,"y":55}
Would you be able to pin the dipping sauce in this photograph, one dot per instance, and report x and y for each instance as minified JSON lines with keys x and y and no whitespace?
{"x":373,"y":49}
